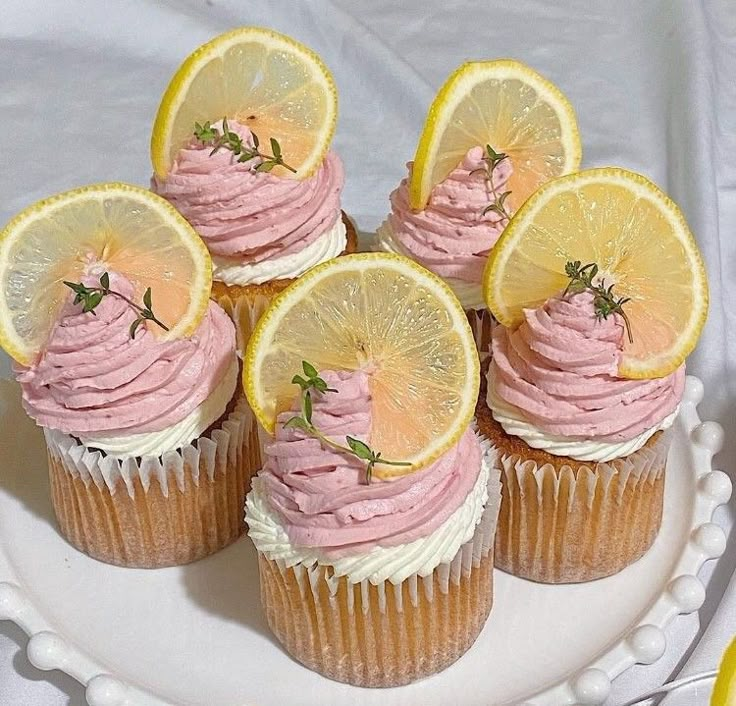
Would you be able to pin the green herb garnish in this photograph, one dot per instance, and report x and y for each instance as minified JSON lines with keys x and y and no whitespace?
{"x":604,"y":301}
{"x":90,"y":298}
{"x":492,"y":160}
{"x":208,"y":134}
{"x":355,"y":447}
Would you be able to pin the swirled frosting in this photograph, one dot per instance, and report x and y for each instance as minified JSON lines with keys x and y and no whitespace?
{"x":393,"y":563}
{"x":559,"y":372}
{"x":451,"y":236}
{"x":238,"y":273}
{"x":93,"y":379}
{"x":320,"y":496}
{"x":251,"y":216}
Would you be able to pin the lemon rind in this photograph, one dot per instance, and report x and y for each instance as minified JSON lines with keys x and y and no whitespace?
{"x":724,"y":689}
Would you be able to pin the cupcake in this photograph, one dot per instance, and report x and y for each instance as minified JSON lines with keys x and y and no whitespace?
{"x":148,"y":441}
{"x":582,"y":451}
{"x":587,"y":370}
{"x":256,"y":179}
{"x":132,"y":373}
{"x":494,"y":133}
{"x":375,"y":509}
{"x":371,"y":582}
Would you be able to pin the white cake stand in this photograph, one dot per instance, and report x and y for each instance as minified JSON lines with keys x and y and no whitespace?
{"x":195,"y":636}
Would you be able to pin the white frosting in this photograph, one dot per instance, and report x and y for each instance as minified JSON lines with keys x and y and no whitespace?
{"x":157,"y":443}
{"x":188,"y":464}
{"x":234,"y":272}
{"x":470,"y":294}
{"x":514,"y":423}
{"x":394,"y":564}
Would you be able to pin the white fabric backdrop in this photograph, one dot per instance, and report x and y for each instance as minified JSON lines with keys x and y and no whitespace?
{"x":652,"y":82}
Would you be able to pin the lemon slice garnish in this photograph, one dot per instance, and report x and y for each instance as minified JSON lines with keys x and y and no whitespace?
{"x":640,"y":241}
{"x":385,"y":314}
{"x":128,"y":230}
{"x":267,"y":81}
{"x":508,"y":105}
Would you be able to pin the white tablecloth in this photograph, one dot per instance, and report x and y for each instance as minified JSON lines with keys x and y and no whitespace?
{"x":653,"y":84}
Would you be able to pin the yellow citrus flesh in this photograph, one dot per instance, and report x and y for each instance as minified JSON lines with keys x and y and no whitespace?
{"x":265,"y":80}
{"x":125,"y":228}
{"x":724,"y":690}
{"x":508,"y":105}
{"x":386,"y":314}
{"x":641,"y":243}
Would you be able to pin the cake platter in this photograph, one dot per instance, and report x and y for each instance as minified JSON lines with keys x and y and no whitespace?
{"x":195,"y":636}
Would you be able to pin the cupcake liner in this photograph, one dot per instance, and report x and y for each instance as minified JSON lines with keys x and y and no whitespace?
{"x":153,"y":512}
{"x":566,"y":522}
{"x":482,"y":323}
{"x":384,"y":634}
{"x":246,"y":305}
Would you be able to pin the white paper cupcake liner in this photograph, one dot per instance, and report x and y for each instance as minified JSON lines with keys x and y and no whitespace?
{"x":246,"y":310}
{"x":562,"y":524}
{"x":152,"y":512}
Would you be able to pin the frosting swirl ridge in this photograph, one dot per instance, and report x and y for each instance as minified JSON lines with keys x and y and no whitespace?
{"x":248,"y":215}
{"x":560,"y":369}
{"x":451,"y":236}
{"x":93,"y":379}
{"x":320,"y":495}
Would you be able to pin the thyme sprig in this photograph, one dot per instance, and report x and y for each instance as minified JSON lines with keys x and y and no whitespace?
{"x":492,"y":159}
{"x":582,"y":278}
{"x":90,"y":298}
{"x":355,"y":447}
{"x":209,"y":134}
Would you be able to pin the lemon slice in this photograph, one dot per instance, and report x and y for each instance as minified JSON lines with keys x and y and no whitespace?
{"x":386,"y":314}
{"x":273,"y":84}
{"x":508,"y":105}
{"x":724,"y":690}
{"x":641,"y":243}
{"x":128,"y":230}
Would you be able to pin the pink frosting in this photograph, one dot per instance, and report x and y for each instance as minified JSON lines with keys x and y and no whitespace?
{"x":321,"y":495}
{"x":93,"y":378}
{"x":560,"y":368}
{"x":450,"y":236}
{"x":247,"y":215}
